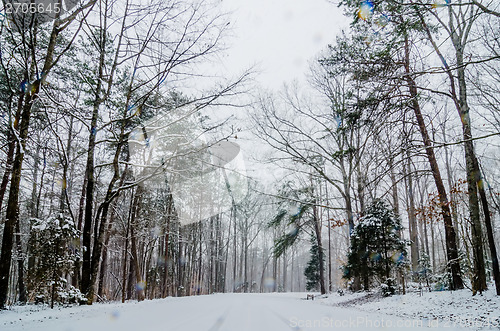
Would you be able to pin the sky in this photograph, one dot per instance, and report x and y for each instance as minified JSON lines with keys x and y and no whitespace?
{"x":280,"y":37}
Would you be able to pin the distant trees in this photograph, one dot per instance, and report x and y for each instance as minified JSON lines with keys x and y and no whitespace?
{"x":71,"y":95}
{"x":125,"y":82}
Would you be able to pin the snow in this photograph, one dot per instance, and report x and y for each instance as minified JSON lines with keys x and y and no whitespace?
{"x":445,"y":308}
{"x":259,"y":312}
{"x":450,"y":307}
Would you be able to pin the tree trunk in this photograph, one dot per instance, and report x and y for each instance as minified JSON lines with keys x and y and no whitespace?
{"x":12,"y":216}
{"x":489,"y":232}
{"x":11,"y":149}
{"x":329,"y":244}
{"x":3,"y":188}
{"x":20,"y":265}
{"x":451,"y":241}
{"x":233,"y":217}
{"x":454,"y":213}
{"x":167,"y":243}
{"x":473,"y":178}
{"x":104,"y":261}
{"x":473,"y":171}
{"x":135,"y":260}
{"x":245,"y":253}
{"x":89,"y":201}
{"x":86,"y":285}
{"x":414,"y":249}
{"x":317,"y":228}
{"x":125,"y":254}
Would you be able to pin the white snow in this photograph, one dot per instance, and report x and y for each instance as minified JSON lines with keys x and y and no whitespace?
{"x":450,"y":308}
{"x":259,"y":312}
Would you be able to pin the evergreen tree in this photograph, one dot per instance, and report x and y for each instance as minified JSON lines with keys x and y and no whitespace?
{"x":312,"y":271}
{"x":376,"y":247}
{"x":54,"y":252}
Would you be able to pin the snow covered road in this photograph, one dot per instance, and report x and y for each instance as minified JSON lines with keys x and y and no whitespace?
{"x":220,"y":312}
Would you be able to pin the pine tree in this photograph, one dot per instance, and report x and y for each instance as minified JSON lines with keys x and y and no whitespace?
{"x":376,"y":247}
{"x":312,"y":271}
{"x":54,"y":252}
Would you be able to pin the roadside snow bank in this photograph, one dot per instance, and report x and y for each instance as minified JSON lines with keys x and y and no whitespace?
{"x":450,"y":308}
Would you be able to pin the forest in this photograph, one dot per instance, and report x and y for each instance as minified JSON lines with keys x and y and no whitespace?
{"x":130,"y":172}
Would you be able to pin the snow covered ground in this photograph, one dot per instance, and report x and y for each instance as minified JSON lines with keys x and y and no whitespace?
{"x":447,"y":309}
{"x":457,"y":307}
{"x":266,"y":312}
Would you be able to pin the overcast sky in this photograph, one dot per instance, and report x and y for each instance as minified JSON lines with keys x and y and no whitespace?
{"x":280,"y":36}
